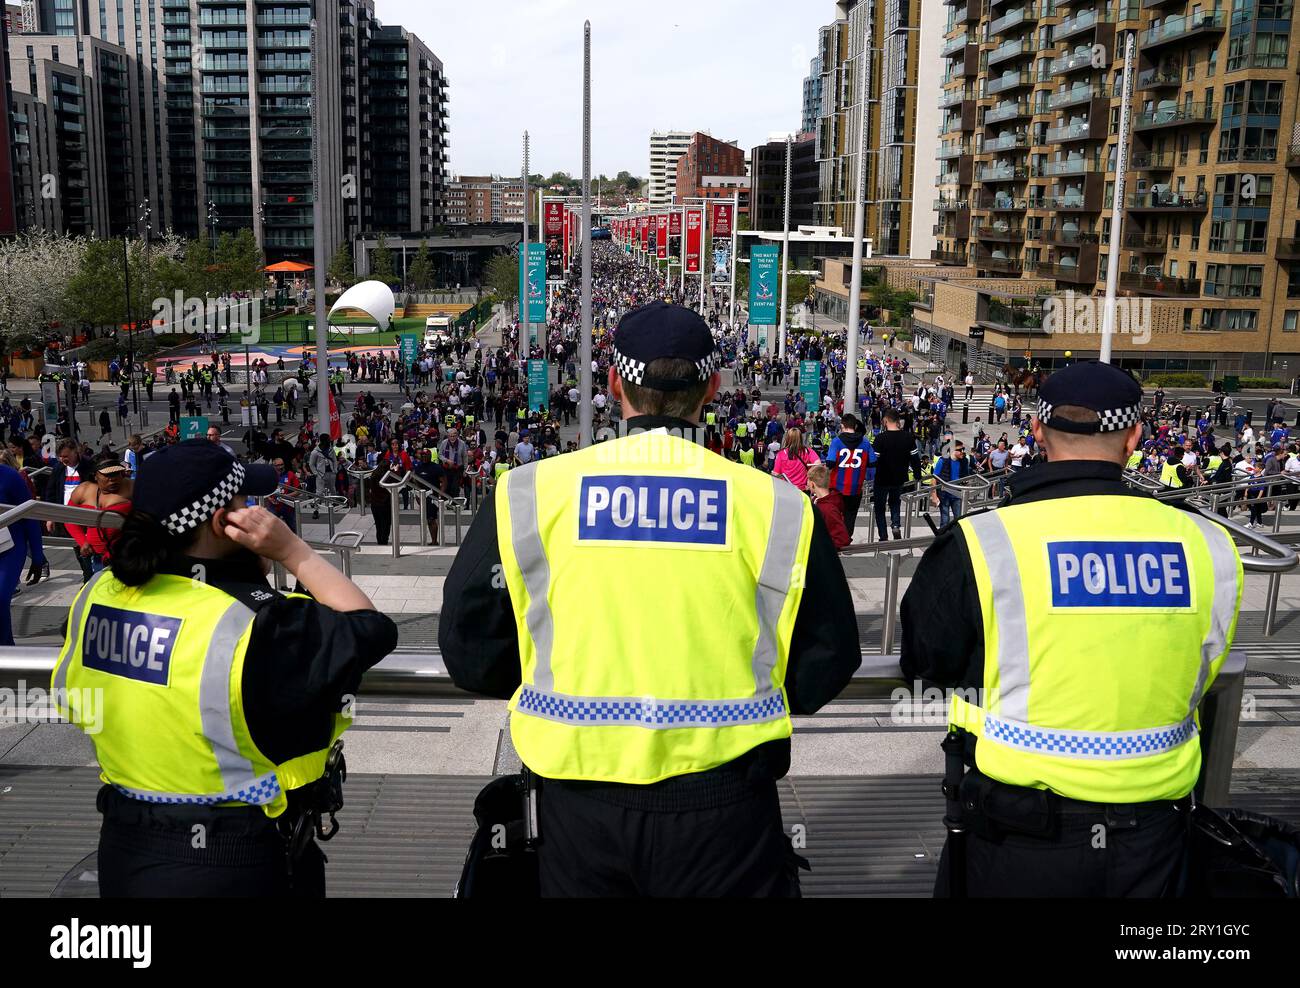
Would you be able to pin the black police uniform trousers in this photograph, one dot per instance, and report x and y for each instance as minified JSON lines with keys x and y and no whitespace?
{"x":1033,"y":844}
{"x":611,"y":841}
{"x":163,"y":851}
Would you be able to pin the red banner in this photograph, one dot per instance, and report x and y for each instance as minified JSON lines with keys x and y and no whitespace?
{"x":694,"y":239}
{"x":662,"y":235}
{"x":722,"y":220}
{"x":568,"y":237}
{"x":645,"y":233}
{"x":336,"y":426}
{"x":675,"y":224}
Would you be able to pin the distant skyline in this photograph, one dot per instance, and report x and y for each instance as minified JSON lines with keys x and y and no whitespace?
{"x":731,"y":67}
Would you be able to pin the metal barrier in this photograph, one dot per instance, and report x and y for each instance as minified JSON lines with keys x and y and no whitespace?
{"x":879,"y":676}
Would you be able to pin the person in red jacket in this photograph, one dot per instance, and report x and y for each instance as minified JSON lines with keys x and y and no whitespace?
{"x":830,"y":504}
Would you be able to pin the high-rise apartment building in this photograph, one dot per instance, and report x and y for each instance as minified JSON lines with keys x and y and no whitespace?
{"x":708,"y":167}
{"x":812,"y":96}
{"x":767,"y":184}
{"x":485,"y":199}
{"x":666,"y":148}
{"x":874,"y":51}
{"x":1031,"y":105}
{"x":8,"y":154}
{"x":220,"y":117}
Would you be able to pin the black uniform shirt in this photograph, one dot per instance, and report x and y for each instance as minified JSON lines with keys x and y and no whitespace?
{"x":303,"y":658}
{"x":943,"y":629}
{"x":477,"y":636}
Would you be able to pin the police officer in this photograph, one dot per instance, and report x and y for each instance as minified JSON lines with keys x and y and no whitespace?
{"x":219,"y":702}
{"x":1075,"y":711}
{"x":664,"y":613}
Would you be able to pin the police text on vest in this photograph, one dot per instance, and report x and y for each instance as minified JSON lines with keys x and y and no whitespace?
{"x":132,"y":644}
{"x":668,"y":510}
{"x":1119,"y":574}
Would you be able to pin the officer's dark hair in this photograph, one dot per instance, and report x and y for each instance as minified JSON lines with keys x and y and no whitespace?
{"x":673,"y":404}
{"x":144,"y":547}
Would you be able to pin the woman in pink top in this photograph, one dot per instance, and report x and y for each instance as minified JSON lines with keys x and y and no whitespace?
{"x":795,"y":458}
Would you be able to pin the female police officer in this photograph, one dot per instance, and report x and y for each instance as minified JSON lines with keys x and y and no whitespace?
{"x":219,"y":701}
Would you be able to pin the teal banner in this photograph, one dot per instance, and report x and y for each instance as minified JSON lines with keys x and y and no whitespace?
{"x":764,"y":262}
{"x":410,"y":348}
{"x":193,"y":427}
{"x":539,"y":388}
{"x":810,"y":383}
{"x":536,"y":293}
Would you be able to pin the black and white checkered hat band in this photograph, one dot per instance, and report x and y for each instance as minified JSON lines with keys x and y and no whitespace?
{"x":190,"y":518}
{"x":633,"y":371}
{"x":1111,"y":420}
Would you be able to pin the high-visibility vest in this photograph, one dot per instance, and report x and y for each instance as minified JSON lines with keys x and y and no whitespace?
{"x":747,"y":456}
{"x":1134,"y":461}
{"x":1169,"y":475}
{"x":1059,"y":583}
{"x":1212,"y":464}
{"x":659,"y":687}
{"x":169,"y":659}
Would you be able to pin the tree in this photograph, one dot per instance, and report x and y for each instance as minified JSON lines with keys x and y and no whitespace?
{"x":33,"y":286}
{"x":196,"y":274}
{"x":501,"y":277}
{"x":341,"y":270}
{"x":381,"y":263}
{"x":245,"y":262}
{"x":419,"y":276}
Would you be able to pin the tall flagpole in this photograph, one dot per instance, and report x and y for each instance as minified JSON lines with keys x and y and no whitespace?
{"x":585,"y":425}
{"x":1117,"y":213}
{"x":682,"y":294}
{"x":785,"y":250}
{"x":735,"y":225}
{"x":318,"y":246}
{"x":859,"y":228}
{"x":704,"y":243}
{"x":525,"y":310}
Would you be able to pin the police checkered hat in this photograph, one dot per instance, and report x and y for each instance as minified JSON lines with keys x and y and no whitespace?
{"x":1113,"y":394}
{"x":658,"y":331}
{"x":183,"y":486}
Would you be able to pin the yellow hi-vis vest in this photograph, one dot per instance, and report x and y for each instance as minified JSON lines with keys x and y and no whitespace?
{"x":1169,"y":475}
{"x":169,"y":660}
{"x":1105,"y":621}
{"x":684,"y":669}
{"x":1135,"y":460}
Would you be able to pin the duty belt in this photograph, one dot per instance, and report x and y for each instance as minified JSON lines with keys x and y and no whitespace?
{"x":311,"y":804}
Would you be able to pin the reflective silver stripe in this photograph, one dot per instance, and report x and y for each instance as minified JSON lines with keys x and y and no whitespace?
{"x":530,"y":555}
{"x":214,"y":698}
{"x":648,"y":711}
{"x":1223,"y":553}
{"x":1095,"y":745}
{"x":74,"y":632}
{"x":774,"y":578}
{"x":1009,"y":611}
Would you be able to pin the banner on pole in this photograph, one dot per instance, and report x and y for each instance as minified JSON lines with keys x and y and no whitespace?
{"x":661,"y":236}
{"x":722,"y":218}
{"x":534,"y":296}
{"x":675,"y":234}
{"x":556,"y":220}
{"x":722,"y":230}
{"x":410,"y":348}
{"x":764,"y":259}
{"x":810,"y":383}
{"x":539,"y":390}
{"x":644,"y":224}
{"x":694,"y":239}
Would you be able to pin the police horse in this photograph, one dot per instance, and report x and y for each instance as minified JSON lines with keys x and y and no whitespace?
{"x":1023,"y":377}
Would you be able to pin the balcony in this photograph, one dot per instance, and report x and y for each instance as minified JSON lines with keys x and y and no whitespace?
{"x":956,"y":45}
{"x":1070,"y":166}
{"x":942,"y":256}
{"x":1166,"y":201}
{"x":1163,"y":285}
{"x":1079,"y":196}
{"x":1003,"y":233}
{"x":1189,"y":27}
{"x":1009,"y":81}
{"x":953,"y":97}
{"x":1002,"y":173}
{"x":1002,"y":204}
{"x":1027,"y":14}
{"x":1072,"y":62}
{"x":1078,"y":130}
{"x":1188,"y":114}
{"x":947,"y":205}
{"x":1085,"y":20}
{"x":949,"y":151}
{"x":1292,"y":156}
{"x":1082,"y":272}
{"x":1013,"y":317}
{"x":1165,"y":77}
{"x":1007,"y":111}
{"x":1079,"y":93}
{"x":1066,"y":238}
{"x":1288,"y":249}
{"x":1007,"y":142}
{"x":1150,"y":243}
{"x":1149,"y":161}
{"x":1010,"y":49}
{"x":995,"y":262}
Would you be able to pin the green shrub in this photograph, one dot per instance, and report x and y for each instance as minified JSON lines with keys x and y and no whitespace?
{"x":1182,"y":379}
{"x":1261,"y":382}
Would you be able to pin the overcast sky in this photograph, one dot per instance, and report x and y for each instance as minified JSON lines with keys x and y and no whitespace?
{"x":732,"y":67}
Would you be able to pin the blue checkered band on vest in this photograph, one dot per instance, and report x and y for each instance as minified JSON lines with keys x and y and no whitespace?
{"x":649,"y":712}
{"x":1088,"y":744}
{"x":257,"y":792}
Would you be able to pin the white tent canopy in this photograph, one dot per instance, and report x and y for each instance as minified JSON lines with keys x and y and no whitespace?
{"x":374,"y":298}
